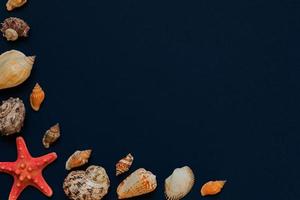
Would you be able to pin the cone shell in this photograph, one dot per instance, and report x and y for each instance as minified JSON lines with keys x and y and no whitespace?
{"x":78,"y":159}
{"x":212,"y":188}
{"x":37,"y":97}
{"x":179,"y":183}
{"x":138,"y":183}
{"x":92,"y":184}
{"x":13,"y":28}
{"x":12,"y":115}
{"x":15,"y":68}
{"x":51,"y":135}
{"x":124,"y":164}
{"x":12,"y":4}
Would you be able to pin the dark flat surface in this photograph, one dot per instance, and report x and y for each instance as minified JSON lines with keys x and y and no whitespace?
{"x":211,"y":84}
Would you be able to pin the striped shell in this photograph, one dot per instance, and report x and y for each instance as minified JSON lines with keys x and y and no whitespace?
{"x":92,"y":184}
{"x":37,"y":97}
{"x":51,"y":135}
{"x":179,"y":183}
{"x":78,"y":158}
{"x":138,"y":183}
{"x":124,"y":164}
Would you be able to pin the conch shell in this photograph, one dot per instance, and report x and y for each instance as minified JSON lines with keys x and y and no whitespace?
{"x":91,"y":184}
{"x":15,"y":68}
{"x":78,"y":158}
{"x":212,"y":187}
{"x":12,"y":4}
{"x":124,"y":164}
{"x":138,"y":183}
{"x":51,"y":135}
{"x":13,"y":28}
{"x":12,"y":115}
{"x":37,"y":97}
{"x":179,"y":183}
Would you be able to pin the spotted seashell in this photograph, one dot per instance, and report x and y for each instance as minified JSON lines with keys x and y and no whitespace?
{"x":179,"y":183}
{"x":51,"y":135}
{"x":138,"y":183}
{"x":37,"y":97}
{"x":78,"y":158}
{"x":92,"y":184}
{"x":12,"y":115}
{"x":124,"y":164}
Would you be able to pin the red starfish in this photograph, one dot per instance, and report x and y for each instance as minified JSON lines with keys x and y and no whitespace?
{"x":27,"y":170}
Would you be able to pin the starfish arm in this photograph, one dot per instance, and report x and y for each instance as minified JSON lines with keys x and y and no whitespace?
{"x":42,"y":185}
{"x":45,"y":160}
{"x":7,"y":167}
{"x":16,"y":190}
{"x":22,"y":148}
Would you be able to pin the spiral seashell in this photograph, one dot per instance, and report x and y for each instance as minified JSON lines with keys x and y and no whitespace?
{"x":138,"y":183}
{"x":12,"y":4}
{"x":124,"y":164}
{"x":37,"y":97}
{"x":179,"y":183}
{"x":78,"y":158}
{"x":212,"y":188}
{"x":92,"y":184}
{"x":12,"y":115}
{"x":13,"y":28}
{"x":15,"y":68}
{"x":51,"y":135}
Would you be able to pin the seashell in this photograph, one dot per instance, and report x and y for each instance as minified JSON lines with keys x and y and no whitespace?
{"x":212,"y":188}
{"x":13,"y":28}
{"x":51,"y":135}
{"x":179,"y":183}
{"x":12,"y":115}
{"x":138,"y":183}
{"x":92,"y":184}
{"x":15,"y":68}
{"x":78,"y":158}
{"x":37,"y":97}
{"x":124,"y":164}
{"x":12,"y":4}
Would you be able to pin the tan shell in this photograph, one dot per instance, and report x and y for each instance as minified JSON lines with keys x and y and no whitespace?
{"x":212,"y":188}
{"x":12,"y":115}
{"x":179,"y":183}
{"x":15,"y":68}
{"x":51,"y":135}
{"x":37,"y":97}
{"x":78,"y":158}
{"x":124,"y":164}
{"x":92,"y":184}
{"x":13,"y":28}
{"x":12,"y":4}
{"x":138,"y":183}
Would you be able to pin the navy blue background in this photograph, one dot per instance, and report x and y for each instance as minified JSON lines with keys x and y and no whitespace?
{"x":211,"y":84}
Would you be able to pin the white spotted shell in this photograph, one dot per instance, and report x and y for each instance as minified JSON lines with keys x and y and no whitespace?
{"x":91,"y":184}
{"x":179,"y":183}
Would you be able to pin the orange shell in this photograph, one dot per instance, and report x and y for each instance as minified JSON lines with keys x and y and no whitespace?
{"x":212,"y":187}
{"x":37,"y":97}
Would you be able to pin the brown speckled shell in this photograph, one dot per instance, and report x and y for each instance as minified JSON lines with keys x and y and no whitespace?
{"x":17,"y":24}
{"x":124,"y":164}
{"x":12,"y":115}
{"x":92,"y":184}
{"x":51,"y":135}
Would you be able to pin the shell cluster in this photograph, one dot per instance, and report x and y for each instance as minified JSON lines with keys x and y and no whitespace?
{"x":179,"y":183}
{"x":12,"y":115}
{"x":51,"y":135}
{"x":91,"y":184}
{"x":124,"y":164}
{"x":15,"y":68}
{"x":138,"y":183}
{"x":78,"y":158}
{"x":12,"y":4}
{"x":37,"y":97}
{"x":14,"y":28}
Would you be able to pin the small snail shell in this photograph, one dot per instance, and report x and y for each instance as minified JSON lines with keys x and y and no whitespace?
{"x":15,"y":68}
{"x":78,"y":158}
{"x":124,"y":164}
{"x":12,"y":4}
{"x":212,"y":188}
{"x":37,"y":97}
{"x":51,"y":135}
